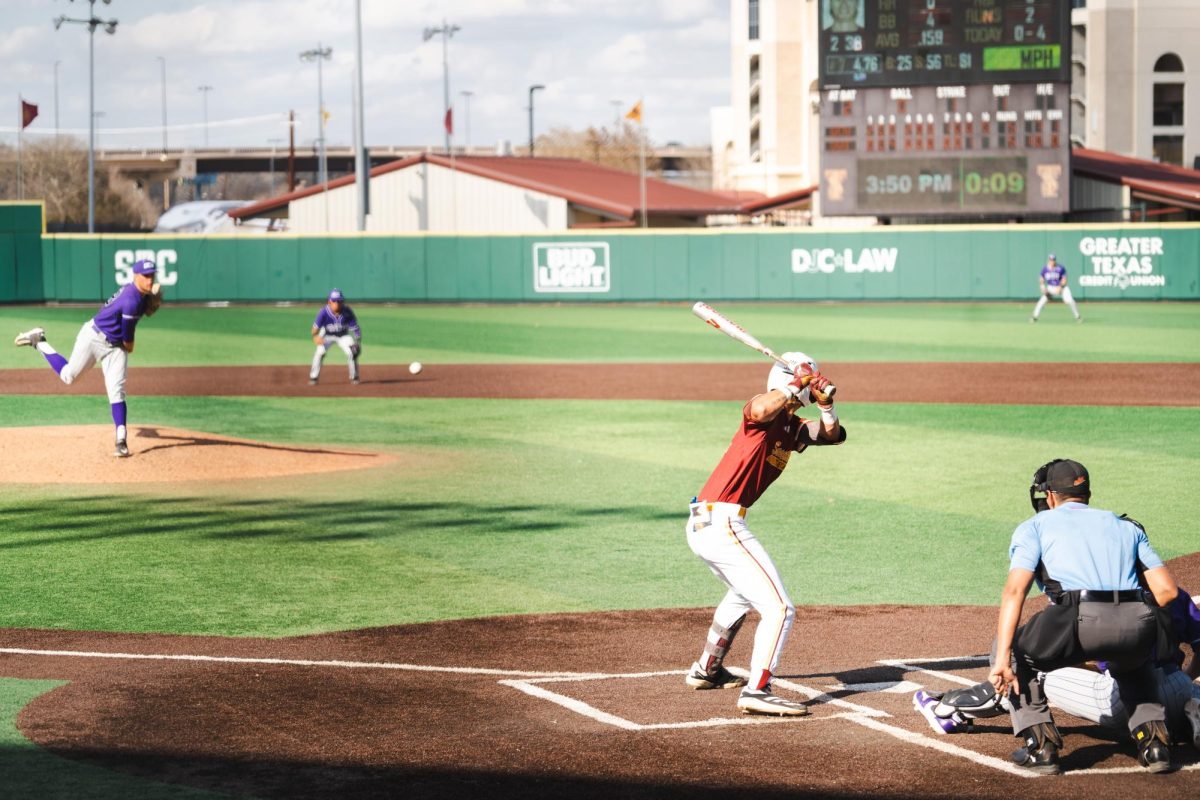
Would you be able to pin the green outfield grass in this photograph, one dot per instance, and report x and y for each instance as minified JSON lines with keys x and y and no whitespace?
{"x":182,"y":336}
{"x":504,"y":506}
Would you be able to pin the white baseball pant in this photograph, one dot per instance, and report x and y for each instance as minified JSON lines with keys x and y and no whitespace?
{"x":91,"y":347}
{"x":718,"y":534}
{"x":1064,"y":295}
{"x":1093,"y":696}
{"x":346,"y":342}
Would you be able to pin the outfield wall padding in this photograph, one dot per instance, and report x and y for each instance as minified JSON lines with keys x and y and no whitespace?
{"x":1143,"y":262}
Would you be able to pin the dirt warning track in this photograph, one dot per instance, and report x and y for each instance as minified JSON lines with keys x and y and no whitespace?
{"x":553,"y":706}
{"x":1165,"y":384}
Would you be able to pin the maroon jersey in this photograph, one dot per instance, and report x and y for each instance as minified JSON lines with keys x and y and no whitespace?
{"x":757,"y":455}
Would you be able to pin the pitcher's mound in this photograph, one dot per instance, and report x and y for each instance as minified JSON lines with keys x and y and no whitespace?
{"x":84,"y":454}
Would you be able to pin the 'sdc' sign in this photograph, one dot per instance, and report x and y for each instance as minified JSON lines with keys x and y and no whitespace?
{"x":571,"y":267}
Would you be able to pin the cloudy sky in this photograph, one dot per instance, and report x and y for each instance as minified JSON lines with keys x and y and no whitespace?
{"x":588,"y":53}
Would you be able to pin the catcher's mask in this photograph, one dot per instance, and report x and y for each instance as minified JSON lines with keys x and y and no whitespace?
{"x":1061,"y":476}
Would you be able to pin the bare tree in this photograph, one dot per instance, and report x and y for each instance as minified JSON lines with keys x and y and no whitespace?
{"x":55,"y":171}
{"x":615,"y":147}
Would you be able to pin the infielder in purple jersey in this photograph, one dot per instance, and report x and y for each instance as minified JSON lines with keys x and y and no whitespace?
{"x":336,"y":324}
{"x":1052,"y":282}
{"x":107,"y":339}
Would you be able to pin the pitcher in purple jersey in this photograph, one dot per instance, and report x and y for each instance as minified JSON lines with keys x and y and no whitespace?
{"x":336,"y":325}
{"x":107,"y":339}
{"x":1052,"y":282}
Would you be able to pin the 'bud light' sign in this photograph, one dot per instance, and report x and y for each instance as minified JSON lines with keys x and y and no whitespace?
{"x":571,"y":267}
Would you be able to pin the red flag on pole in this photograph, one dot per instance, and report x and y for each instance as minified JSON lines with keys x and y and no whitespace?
{"x":28,"y":114}
{"x":449,"y":121}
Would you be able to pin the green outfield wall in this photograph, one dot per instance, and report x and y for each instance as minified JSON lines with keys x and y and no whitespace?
{"x":1142,"y":262}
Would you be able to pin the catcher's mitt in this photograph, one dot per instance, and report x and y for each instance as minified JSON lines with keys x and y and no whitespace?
{"x":154,"y":299}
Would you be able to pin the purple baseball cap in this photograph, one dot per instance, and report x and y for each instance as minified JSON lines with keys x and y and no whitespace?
{"x":144,"y":267}
{"x":336,"y":296}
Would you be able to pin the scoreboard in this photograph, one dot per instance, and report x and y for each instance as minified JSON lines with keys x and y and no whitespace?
{"x":909,"y":42}
{"x":944,"y":107}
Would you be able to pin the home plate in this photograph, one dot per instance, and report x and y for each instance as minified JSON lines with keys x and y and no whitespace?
{"x":894,"y":687}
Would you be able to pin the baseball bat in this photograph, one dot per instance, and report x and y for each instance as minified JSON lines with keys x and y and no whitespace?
{"x":739,"y":334}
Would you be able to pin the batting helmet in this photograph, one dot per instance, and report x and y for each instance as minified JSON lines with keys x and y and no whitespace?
{"x":781,"y":376}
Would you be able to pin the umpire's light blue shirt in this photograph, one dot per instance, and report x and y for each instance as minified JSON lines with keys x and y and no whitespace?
{"x":1082,"y":548}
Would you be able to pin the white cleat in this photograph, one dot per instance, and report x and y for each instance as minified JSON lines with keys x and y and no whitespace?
{"x":30,"y":338}
{"x":765,"y":702}
{"x":122,"y":450}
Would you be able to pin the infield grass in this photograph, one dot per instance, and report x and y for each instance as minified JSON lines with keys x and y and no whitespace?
{"x":192,"y":335}
{"x":505,"y":506}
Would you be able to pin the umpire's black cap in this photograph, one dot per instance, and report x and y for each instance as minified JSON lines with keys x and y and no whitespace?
{"x":1067,"y":477}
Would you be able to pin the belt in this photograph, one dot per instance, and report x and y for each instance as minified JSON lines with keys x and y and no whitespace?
{"x":741,"y":510}
{"x":105,"y":335}
{"x":1111,"y":596}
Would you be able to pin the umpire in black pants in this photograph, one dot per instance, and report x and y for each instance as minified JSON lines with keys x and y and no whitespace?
{"x":1093,"y":566}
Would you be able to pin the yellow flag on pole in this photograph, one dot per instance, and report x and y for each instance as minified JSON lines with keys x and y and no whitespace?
{"x":635,"y":113}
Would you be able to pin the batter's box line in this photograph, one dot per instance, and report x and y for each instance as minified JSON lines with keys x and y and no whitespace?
{"x":533,"y":688}
{"x":912,"y":665}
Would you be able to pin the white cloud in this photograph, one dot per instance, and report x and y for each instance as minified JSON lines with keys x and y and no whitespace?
{"x":586,"y":52}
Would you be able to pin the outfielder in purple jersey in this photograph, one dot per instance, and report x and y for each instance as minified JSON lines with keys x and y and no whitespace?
{"x":336,"y":325}
{"x":106,"y":339}
{"x":1052,"y":283}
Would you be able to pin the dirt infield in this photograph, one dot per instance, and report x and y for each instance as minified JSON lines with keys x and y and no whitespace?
{"x":82,"y":454}
{"x":1168,"y":384}
{"x":553,"y":706}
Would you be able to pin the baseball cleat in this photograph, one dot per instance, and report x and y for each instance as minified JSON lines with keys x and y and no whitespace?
{"x":122,"y":450}
{"x":1040,"y":751}
{"x":1153,"y":751}
{"x":312,"y":381}
{"x":697,"y":678}
{"x":924,"y":703}
{"x":765,"y":702}
{"x":30,"y":338}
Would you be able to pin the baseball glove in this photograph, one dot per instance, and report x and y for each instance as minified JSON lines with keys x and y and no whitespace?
{"x":154,"y":299}
{"x":356,"y":348}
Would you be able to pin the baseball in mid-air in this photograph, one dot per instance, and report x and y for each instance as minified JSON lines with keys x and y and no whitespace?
{"x":414,"y":367}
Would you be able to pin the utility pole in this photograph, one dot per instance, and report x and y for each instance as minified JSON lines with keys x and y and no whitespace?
{"x":204,"y":89}
{"x":532,"y":89}
{"x":466,"y":95}
{"x":56,"y":63}
{"x":110,"y":27}
{"x":447,"y":30}
{"x":162,"y":62}
{"x":291,"y":151}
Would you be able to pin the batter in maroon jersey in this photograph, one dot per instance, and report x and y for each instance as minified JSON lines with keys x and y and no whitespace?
{"x":769,"y":435}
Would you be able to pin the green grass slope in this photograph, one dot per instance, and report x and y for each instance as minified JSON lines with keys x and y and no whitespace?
{"x":185,"y":336}
{"x":502,"y":506}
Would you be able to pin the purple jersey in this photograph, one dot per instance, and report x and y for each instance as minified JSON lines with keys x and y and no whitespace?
{"x":1054,"y":275}
{"x":119,"y":317}
{"x":1185,"y":620}
{"x":338,"y":324}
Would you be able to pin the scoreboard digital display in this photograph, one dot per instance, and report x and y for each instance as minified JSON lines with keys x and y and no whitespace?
{"x":866,"y":43}
{"x":956,"y":149}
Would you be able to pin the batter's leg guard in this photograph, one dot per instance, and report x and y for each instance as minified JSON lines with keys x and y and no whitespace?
{"x":718,"y":643}
{"x":974,"y":702}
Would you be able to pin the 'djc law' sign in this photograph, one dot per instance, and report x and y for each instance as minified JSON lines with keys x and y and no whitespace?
{"x":571,"y":267}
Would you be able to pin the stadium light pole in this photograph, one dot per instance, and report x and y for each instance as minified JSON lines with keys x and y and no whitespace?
{"x":204,"y":89}
{"x":320,"y":54}
{"x":466,"y":95}
{"x":56,"y":63}
{"x":446,"y":30}
{"x":361,"y":165}
{"x":162,"y":62}
{"x":110,"y":27}
{"x":532,"y":89}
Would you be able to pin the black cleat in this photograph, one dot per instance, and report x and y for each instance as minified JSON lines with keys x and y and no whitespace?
{"x":1040,"y":753}
{"x":1153,"y":751}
